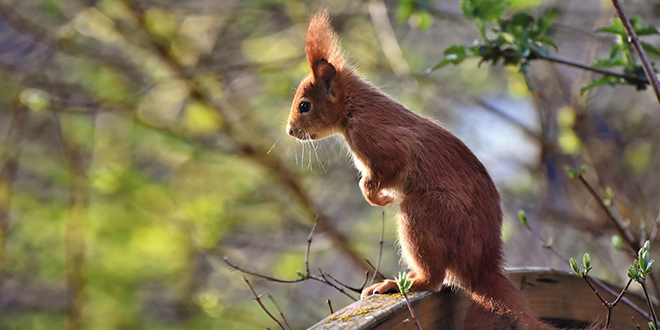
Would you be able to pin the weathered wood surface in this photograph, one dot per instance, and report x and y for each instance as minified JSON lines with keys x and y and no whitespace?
{"x":557,"y":297}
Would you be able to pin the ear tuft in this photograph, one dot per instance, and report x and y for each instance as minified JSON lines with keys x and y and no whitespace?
{"x":321,"y":43}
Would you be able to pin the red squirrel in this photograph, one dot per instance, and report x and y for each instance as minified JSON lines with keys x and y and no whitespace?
{"x":450,"y":216}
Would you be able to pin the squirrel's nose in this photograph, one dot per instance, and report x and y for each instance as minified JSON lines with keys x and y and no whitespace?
{"x":289,"y":130}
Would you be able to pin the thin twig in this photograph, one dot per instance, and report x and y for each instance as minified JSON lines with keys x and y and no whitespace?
{"x":536,"y":56}
{"x":602,"y":300}
{"x":656,"y":229}
{"x":550,"y":58}
{"x":325,"y":280}
{"x":308,"y":276}
{"x":608,"y":305}
{"x":344,"y":285}
{"x":263,"y":307}
{"x":270,"y":296}
{"x":265,"y":277}
{"x":412,"y":311}
{"x":638,"y":46}
{"x":366,"y":279}
{"x":387,"y":38}
{"x":382,"y":277}
{"x":330,"y":306}
{"x":309,"y":245}
{"x":380,"y":249}
{"x":613,"y":215}
{"x":625,"y":289}
{"x":648,"y":302}
{"x":635,"y":322}
{"x":592,"y":279}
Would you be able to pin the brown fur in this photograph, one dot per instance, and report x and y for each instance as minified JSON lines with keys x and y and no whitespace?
{"x":450,"y":217}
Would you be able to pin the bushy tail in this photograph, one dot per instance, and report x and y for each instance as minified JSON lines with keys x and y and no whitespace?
{"x":499,"y":305}
{"x":321,"y":42}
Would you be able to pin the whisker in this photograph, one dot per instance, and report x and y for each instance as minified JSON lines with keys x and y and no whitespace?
{"x":309,"y":161}
{"x":273,"y":146}
{"x":318,"y":160}
{"x":302,"y":156}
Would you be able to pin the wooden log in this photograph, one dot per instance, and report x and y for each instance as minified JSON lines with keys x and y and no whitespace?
{"x":559,"y":298}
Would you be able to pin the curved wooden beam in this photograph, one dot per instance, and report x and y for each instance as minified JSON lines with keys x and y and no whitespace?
{"x":559,"y":298}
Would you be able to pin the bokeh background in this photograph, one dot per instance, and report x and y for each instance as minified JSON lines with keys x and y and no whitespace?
{"x":143,"y":141}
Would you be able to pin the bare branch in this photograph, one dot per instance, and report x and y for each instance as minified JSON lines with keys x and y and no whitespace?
{"x":382,"y":277}
{"x":258,"y":299}
{"x":265,"y":277}
{"x":591,"y":280}
{"x":342,"y":284}
{"x":380,"y":249}
{"x":638,"y":46}
{"x":412,"y":311}
{"x":325,"y":280}
{"x":309,"y":244}
{"x":613,"y":215}
{"x":649,"y":303}
{"x":279,"y":311}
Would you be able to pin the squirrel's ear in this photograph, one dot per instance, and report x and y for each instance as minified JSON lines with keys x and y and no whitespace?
{"x":324,"y":75}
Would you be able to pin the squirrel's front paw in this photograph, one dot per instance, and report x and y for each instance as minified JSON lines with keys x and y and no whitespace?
{"x":373,"y":194}
{"x":380,"y":199}
{"x":387,"y":286}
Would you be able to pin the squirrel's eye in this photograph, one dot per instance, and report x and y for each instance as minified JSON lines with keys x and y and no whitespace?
{"x":304,"y":107}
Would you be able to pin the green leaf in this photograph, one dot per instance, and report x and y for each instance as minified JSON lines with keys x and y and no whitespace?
{"x":549,"y":243}
{"x":604,"y":80}
{"x":646,"y":30}
{"x":424,"y":20}
{"x":404,"y":11}
{"x":507,"y":37}
{"x":575,"y":267}
{"x":547,"y":41}
{"x":403,"y":282}
{"x":571,"y":173}
{"x":586,"y":263}
{"x":617,"y":242}
{"x":650,"y":49}
{"x":652,"y":326}
{"x":633,"y":273}
{"x":615,"y":28}
{"x":607,"y":63}
{"x":523,"y":218}
{"x":484,"y":10}
{"x":524,"y":68}
{"x":648,"y":267}
{"x":522,"y":19}
{"x":543,"y":24}
{"x":455,"y":54}
{"x":615,"y":51}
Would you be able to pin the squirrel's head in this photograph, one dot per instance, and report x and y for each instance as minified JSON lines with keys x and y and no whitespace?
{"x":318,"y":104}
